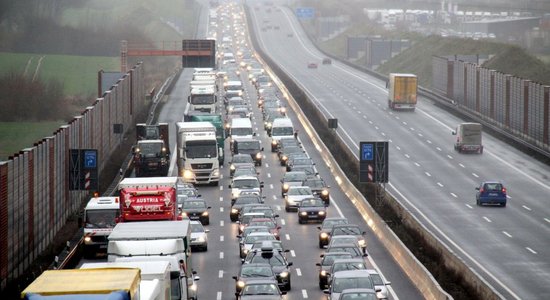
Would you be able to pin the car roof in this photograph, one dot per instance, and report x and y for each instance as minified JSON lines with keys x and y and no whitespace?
{"x":351,"y":274}
{"x":245,"y":177}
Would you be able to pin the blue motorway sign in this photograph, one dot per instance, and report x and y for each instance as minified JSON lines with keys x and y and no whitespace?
{"x":305,"y":13}
{"x":90,"y":159}
{"x":367,"y":152}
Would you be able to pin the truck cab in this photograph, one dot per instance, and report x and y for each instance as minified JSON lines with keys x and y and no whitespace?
{"x":99,"y":219}
{"x":203,"y":99}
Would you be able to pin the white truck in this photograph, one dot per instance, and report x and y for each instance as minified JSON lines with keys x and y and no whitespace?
{"x":203,"y":98}
{"x":100,"y":216}
{"x":157,"y":241}
{"x":468,"y":138}
{"x":155,"y":276}
{"x":198,"y":152}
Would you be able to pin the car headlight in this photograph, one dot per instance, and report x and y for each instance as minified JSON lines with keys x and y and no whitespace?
{"x":87,"y":239}
{"x":205,"y":214}
{"x":324,"y":193}
{"x":240,"y":284}
{"x":234,"y":211}
{"x":285,"y":187}
{"x":246,"y":251}
{"x":194,"y":287}
{"x":269,"y":126}
{"x":258,"y":155}
{"x":283,"y":110}
{"x":323,"y":273}
{"x":303,"y":213}
{"x":362,"y":243}
{"x":324,"y":235}
{"x":216,"y":173}
{"x":232,"y":167}
{"x":184,"y":214}
{"x":284,"y":274}
{"x":241,"y":227}
{"x":201,"y":239}
{"x":284,"y":157}
{"x":290,"y":201}
{"x":321,"y":213}
{"x":274,"y":142}
{"x":188,"y":174}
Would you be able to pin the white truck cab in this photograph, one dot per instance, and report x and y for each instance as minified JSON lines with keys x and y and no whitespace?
{"x":99,"y":219}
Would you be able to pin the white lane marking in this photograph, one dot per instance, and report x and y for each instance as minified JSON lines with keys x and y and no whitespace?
{"x":417,"y":164}
{"x":221,"y":187}
{"x":469,"y":206}
{"x":420,"y":135}
{"x":398,"y":148}
{"x":428,"y":141}
{"x":219,"y":296}
{"x":304,"y":294}
{"x":526,"y":207}
{"x":487,"y":219}
{"x":462,"y":165}
{"x":412,"y":129}
{"x":428,"y":174}
{"x":274,"y":197}
{"x":221,"y":176}
{"x":277,"y":207}
{"x":268,"y":175}
{"x":220,"y":274}
{"x":221,"y":223}
{"x":450,"y":157}
{"x":376,"y":127}
{"x":271,"y":186}
{"x":404,"y":123}
{"x":507,"y":234}
{"x":222,"y":238}
{"x":531,"y":250}
{"x":221,"y":255}
{"x":383,"y":134}
{"x":283,"y":222}
{"x":266,"y":165}
{"x":454,"y":195}
{"x":475,"y":175}
{"x":407,"y":156}
{"x":547,"y":220}
{"x":298,"y":272}
{"x":287,"y":236}
{"x":221,"y":199}
{"x":221,"y":208}
{"x":364,"y":116}
{"x":292,"y":253}
{"x":438,"y":149}
{"x":439,"y":183}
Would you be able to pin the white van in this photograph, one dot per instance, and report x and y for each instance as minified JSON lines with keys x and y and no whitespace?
{"x":281,"y":128}
{"x":240,"y":128}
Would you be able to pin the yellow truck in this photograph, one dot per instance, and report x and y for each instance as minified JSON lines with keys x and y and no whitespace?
{"x":96,"y":284}
{"x":402,"y":89}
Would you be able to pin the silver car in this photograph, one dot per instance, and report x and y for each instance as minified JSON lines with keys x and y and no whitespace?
{"x":379,"y":283}
{"x":199,"y":238}
{"x":344,"y":280}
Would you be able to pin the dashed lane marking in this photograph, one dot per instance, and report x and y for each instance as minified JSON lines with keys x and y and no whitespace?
{"x":487,"y":219}
{"x":531,"y":250}
{"x":507,"y":234}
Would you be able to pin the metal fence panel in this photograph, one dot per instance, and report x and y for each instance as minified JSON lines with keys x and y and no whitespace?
{"x":516,"y":104}
{"x":536,"y":111}
{"x":485,"y":92}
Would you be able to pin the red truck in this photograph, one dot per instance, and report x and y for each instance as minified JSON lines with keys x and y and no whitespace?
{"x":148,"y":199}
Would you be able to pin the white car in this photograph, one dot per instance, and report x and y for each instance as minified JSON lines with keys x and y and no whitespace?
{"x":199,"y":238}
{"x":245,"y":185}
{"x":379,"y":284}
{"x":295,"y":195}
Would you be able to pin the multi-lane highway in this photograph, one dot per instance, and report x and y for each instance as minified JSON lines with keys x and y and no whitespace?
{"x":509,"y":247}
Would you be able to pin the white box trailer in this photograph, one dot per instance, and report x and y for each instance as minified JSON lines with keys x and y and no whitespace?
{"x":155,"y":276}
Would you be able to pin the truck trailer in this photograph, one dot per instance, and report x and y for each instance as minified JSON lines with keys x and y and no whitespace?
{"x":148,"y":199}
{"x":402,"y":90}
{"x":108,"y":284}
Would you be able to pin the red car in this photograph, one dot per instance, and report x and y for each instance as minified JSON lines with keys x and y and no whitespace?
{"x":312,"y":65}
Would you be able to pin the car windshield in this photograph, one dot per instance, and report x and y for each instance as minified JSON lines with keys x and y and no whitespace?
{"x":194,"y":204}
{"x":187,"y":192}
{"x":275,"y":260}
{"x":247,"y":200}
{"x":329,"y":259}
{"x":328,"y":223}
{"x":340,"y":284}
{"x":241,"y":131}
{"x":150,"y":148}
{"x":282,"y":131}
{"x":249,"y":145}
{"x":203,"y":99}
{"x":255,"y":271}
{"x":268,"y":224}
{"x":359,"y":296}
{"x":260,"y":289}
{"x":300,"y":191}
{"x":312,"y":203}
{"x":354,"y":251}
{"x":201,"y":149}
{"x":268,"y":212}
{"x":308,"y":169}
{"x":302,"y":161}
{"x":251,"y":239}
{"x":345,"y":240}
{"x":376,"y":279}
{"x":246,"y":183}
{"x":196,"y":228}
{"x":348,"y":266}
{"x":314,"y":183}
{"x":248,"y":230}
{"x":295,"y":176}
{"x":346,"y":231}
{"x":242,"y":159}
{"x":493,"y":186}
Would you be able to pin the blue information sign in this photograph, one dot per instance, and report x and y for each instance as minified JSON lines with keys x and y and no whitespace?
{"x":367,"y":152}
{"x":305,"y":12}
{"x":90,"y":159}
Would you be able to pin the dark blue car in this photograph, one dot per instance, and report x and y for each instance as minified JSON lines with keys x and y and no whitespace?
{"x":491,"y":192}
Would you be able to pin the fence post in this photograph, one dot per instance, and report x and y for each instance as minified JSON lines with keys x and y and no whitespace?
{"x":546,"y":116}
{"x":525,"y":86}
{"x":478,"y":90}
{"x":492,"y":95}
{"x":507,"y":101}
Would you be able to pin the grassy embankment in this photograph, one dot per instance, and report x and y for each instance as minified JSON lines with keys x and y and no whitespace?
{"x":79,"y":73}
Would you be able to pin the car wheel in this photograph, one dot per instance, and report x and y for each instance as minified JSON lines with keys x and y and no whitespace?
{"x":300,"y":221}
{"x":288,"y":286}
{"x":321,"y":286}
{"x":205,"y":248}
{"x":287,"y":209}
{"x":478,"y":203}
{"x":321,"y":245}
{"x":503,"y":204}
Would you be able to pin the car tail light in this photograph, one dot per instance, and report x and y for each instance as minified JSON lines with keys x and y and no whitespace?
{"x":481,"y":190}
{"x":504,"y":190}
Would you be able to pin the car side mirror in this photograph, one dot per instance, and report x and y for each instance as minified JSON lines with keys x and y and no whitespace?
{"x":262,"y":149}
{"x":254,"y":134}
{"x":261,"y":184}
{"x":235,"y":277}
{"x":363,"y":233}
{"x":196,"y":278}
{"x":206,"y":230}
{"x":242,"y":260}
{"x":365,"y":255}
{"x":283,"y":293}
{"x":319,"y":227}
{"x":229,"y":186}
{"x":378,"y":290}
{"x":324,"y":292}
{"x":453,"y":132}
{"x":199,"y":195}
{"x":477,"y":188}
{"x":318,"y":264}
{"x":387,"y":283}
{"x":209,"y":207}
{"x":290,"y":264}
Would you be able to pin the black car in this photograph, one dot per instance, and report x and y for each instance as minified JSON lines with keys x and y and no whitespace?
{"x":239,"y":160}
{"x":275,"y":258}
{"x":298,"y":160}
{"x":326,"y":228}
{"x":312,"y":210}
{"x":241,"y":201}
{"x":326,"y":263}
{"x":250,"y":272}
{"x":196,"y":209}
{"x":319,"y":188}
{"x":249,"y":146}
